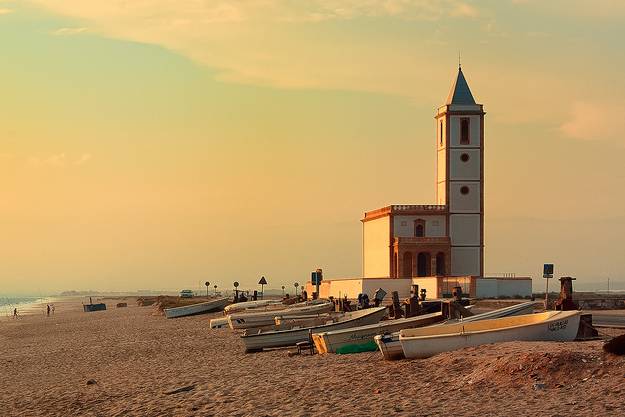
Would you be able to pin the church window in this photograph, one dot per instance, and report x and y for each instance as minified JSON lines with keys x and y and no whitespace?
{"x":419,"y":228}
{"x":440,"y":133}
{"x":464,"y":190}
{"x":464,"y":131}
{"x":464,"y":157}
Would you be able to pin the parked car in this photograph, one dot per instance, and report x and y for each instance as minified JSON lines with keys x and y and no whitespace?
{"x":186,"y":294}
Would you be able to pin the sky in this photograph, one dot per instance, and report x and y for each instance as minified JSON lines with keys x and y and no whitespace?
{"x":159,"y":144}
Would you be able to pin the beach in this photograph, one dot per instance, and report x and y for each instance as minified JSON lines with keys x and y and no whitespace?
{"x":134,"y":362}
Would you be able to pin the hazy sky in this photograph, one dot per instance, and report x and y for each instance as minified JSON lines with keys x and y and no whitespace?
{"x":160,"y":143}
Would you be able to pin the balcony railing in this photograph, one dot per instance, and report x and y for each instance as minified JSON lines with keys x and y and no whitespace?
{"x":423,"y":240}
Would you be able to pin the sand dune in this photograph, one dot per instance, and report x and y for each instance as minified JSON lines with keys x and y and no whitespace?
{"x":136,"y":359}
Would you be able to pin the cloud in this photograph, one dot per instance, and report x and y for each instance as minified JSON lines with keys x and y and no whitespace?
{"x":595,"y":121}
{"x":69,"y":31}
{"x":59,"y":160}
{"x":84,"y":158}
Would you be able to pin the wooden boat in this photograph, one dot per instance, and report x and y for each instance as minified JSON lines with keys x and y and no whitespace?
{"x":248,"y":305}
{"x":390,"y":346}
{"x":360,"y":339}
{"x":279,"y":338}
{"x":246,"y":320}
{"x":549,"y":326}
{"x":199,"y":308}
{"x":219,"y":323}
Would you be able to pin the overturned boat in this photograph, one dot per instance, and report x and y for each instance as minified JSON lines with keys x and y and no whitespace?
{"x":247,"y":320}
{"x":199,"y":308}
{"x":559,"y":326}
{"x":389,"y":344}
{"x":360,"y":339}
{"x":251,"y":305}
{"x":279,"y":338}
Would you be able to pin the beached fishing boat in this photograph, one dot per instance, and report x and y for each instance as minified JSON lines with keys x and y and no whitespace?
{"x":249,"y":305}
{"x":219,"y":323}
{"x":262,"y":340}
{"x":199,"y":308}
{"x":559,"y":326}
{"x":390,"y":347}
{"x":360,"y":339}
{"x":247,"y":320}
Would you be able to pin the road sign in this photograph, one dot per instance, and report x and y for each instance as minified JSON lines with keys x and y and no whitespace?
{"x":548,"y":271}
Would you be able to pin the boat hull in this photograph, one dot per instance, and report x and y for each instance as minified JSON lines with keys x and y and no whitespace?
{"x":240,"y":321}
{"x":361,"y":339}
{"x":195,"y":309}
{"x":272,"y":339}
{"x":550,"y":326}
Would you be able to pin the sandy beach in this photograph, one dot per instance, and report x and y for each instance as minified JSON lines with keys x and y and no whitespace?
{"x":126,"y":362}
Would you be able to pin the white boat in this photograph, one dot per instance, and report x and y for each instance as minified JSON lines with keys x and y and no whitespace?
{"x":559,"y":326}
{"x":360,"y":339}
{"x":199,"y":308}
{"x":219,"y":323}
{"x":390,"y":346}
{"x":246,"y":320}
{"x":247,"y":305}
{"x":279,"y":338}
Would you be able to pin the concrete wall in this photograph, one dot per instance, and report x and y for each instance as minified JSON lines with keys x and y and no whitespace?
{"x":376,"y":244}
{"x":504,"y":287}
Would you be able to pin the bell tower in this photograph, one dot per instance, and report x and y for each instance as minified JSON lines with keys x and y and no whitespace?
{"x":460,"y":176}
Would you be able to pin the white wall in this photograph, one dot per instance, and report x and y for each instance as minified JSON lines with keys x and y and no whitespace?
{"x":376,"y":244}
{"x":440,"y":193}
{"x":404,"y":226}
{"x":464,"y":229}
{"x":464,"y":203}
{"x":465,"y":261}
{"x":430,"y":284}
{"x":461,"y":170}
{"x":503,"y":287}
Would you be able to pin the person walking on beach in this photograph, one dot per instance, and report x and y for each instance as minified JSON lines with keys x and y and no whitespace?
{"x":15,"y":313}
{"x":48,"y":310}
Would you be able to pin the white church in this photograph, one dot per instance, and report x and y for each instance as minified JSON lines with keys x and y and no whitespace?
{"x":436,"y":246}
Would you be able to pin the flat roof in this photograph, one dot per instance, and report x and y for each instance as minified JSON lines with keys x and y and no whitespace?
{"x":405,"y":209}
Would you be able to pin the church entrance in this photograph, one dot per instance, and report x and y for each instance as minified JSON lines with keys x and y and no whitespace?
{"x":423,"y":264}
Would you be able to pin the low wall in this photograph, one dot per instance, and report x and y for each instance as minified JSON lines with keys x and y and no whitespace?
{"x":495,"y":287}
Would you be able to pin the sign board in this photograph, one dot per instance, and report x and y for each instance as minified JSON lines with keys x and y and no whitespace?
{"x":316,"y":277}
{"x":262,"y":281}
{"x":548,"y":271}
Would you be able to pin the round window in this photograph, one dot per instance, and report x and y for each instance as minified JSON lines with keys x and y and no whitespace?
{"x":464,"y":157}
{"x":464,"y":190}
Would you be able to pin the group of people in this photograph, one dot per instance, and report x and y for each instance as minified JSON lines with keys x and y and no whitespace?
{"x":49,"y":310}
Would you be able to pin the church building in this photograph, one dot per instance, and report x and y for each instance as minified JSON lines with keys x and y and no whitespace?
{"x":436,"y":246}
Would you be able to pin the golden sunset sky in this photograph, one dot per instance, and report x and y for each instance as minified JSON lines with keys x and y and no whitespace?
{"x":161,"y":143}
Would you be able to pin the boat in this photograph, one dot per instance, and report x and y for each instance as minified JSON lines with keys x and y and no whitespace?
{"x":247,"y":305}
{"x":219,"y":323}
{"x":561,"y":326}
{"x":390,"y":346}
{"x":279,"y":338}
{"x":246,"y":320}
{"x":199,"y":308}
{"x":360,"y":339}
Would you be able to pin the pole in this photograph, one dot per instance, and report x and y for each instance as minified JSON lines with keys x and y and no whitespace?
{"x":547,"y":295}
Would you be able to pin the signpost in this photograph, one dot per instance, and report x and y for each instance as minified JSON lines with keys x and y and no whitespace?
{"x":296,"y":285}
{"x":547,"y":274}
{"x":262,"y":283}
{"x":236,"y":292}
{"x":215,"y":286}
{"x":283,"y":291}
{"x":207,"y":284}
{"x":316,"y":278}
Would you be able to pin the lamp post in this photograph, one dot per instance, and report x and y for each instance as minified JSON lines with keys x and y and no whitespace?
{"x":296,"y":285}
{"x":262,"y":283}
{"x":207,"y":284}
{"x":236,"y":292}
{"x":283,"y":290}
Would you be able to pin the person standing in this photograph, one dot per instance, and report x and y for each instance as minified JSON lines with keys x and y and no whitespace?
{"x":48,"y":310}
{"x":15,"y":313}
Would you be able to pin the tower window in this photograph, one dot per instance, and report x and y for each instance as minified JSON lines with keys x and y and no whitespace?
{"x":440,"y":133}
{"x":464,"y":190}
{"x":419,"y":228}
{"x":464,"y":157}
{"x":464,"y":131}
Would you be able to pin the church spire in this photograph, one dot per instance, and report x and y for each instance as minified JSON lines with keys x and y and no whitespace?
{"x":460,"y":92}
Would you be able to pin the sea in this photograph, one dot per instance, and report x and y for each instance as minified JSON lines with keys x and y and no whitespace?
{"x":25,"y":305}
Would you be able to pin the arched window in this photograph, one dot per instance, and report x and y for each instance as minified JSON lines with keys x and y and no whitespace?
{"x":465,"y":137}
{"x":419,"y":228}
{"x":423,"y":264}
